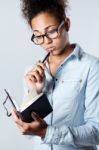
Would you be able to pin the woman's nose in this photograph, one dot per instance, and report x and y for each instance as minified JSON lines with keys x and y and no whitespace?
{"x":47,"y":40}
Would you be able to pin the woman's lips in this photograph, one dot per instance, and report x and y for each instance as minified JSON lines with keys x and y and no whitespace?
{"x":50,"y":48}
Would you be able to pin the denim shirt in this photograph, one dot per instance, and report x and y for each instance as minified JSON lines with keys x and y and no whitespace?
{"x":74,"y":96}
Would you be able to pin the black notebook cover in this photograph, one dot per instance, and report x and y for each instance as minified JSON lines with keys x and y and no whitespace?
{"x":41,"y":107}
{"x":39,"y":104}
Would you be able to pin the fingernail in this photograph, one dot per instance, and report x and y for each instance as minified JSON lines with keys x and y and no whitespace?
{"x":33,"y":114}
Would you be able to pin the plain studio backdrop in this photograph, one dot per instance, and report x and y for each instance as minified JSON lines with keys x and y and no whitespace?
{"x":17,"y":52}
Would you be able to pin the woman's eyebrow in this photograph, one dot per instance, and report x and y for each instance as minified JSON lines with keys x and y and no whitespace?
{"x":45,"y":28}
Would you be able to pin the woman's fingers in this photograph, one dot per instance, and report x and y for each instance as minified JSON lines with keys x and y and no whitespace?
{"x":40,"y":70}
{"x":17,"y":118}
{"x":34,"y":76}
{"x":42,"y":65}
{"x":37,"y":74}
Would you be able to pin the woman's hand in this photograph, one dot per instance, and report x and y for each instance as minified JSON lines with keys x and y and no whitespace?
{"x":37,"y":127}
{"x":36,"y":77}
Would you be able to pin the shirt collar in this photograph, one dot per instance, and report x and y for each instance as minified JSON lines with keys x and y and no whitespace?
{"x":77,"y":52}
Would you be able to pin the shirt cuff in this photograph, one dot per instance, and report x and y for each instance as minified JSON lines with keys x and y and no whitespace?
{"x":51,"y":135}
{"x":48,"y":134}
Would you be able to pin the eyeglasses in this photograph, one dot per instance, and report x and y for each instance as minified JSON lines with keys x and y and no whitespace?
{"x":51,"y":34}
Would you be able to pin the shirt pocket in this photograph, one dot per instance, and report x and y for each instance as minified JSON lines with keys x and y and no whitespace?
{"x":69,"y":88}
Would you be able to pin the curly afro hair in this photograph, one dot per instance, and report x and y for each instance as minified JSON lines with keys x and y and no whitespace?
{"x":31,"y":8}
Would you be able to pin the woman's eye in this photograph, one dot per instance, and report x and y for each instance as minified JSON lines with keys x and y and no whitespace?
{"x":51,"y":31}
{"x":38,"y":37}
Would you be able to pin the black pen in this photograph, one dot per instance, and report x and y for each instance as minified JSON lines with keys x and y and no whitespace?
{"x":45,"y":57}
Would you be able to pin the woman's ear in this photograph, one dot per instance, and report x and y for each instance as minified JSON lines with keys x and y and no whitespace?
{"x":67,"y":24}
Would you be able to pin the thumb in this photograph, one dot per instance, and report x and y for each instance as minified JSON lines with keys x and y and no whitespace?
{"x":36,"y":117}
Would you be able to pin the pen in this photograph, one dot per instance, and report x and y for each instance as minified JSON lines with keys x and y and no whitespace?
{"x":45,"y":57}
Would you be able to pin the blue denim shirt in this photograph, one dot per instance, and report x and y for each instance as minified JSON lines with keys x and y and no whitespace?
{"x":74,"y":96}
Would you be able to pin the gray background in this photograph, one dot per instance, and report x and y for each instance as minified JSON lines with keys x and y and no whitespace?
{"x":17,"y":53}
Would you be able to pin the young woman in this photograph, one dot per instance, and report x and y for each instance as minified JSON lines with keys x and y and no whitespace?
{"x":72,"y":85}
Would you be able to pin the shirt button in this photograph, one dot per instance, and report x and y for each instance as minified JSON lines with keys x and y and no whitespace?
{"x":80,"y":80}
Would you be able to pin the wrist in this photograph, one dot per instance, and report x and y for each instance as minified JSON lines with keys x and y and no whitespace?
{"x":43,"y":132}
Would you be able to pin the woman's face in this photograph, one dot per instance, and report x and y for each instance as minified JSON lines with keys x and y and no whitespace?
{"x":46,"y":23}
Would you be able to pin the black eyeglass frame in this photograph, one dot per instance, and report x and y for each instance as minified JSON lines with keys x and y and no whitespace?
{"x":46,"y":34}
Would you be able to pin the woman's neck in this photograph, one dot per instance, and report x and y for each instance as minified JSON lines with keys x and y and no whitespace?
{"x":55,"y":61}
